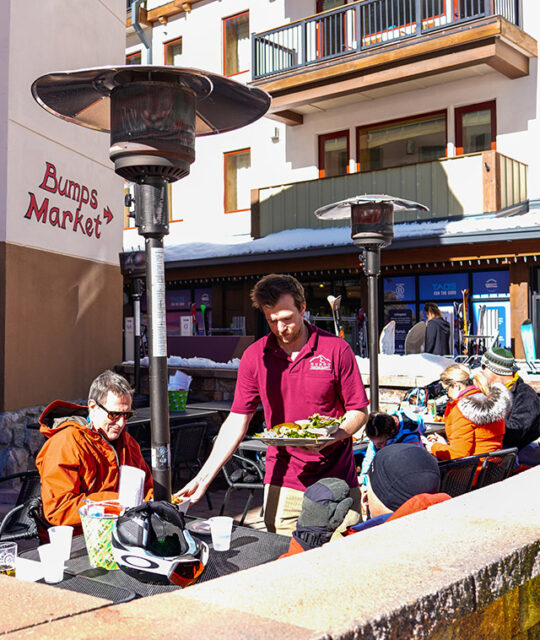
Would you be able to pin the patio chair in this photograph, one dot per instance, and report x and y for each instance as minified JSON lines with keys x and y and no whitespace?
{"x":496,"y":466}
{"x":187,"y":443}
{"x":241,"y":473}
{"x":457,"y":475}
{"x":25,"y":519}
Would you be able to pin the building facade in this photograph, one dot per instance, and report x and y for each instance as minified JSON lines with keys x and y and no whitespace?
{"x":434,"y":101}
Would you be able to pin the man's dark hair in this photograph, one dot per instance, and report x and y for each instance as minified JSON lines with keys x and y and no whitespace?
{"x":268,"y":290}
{"x":433,"y":309}
{"x":380,"y":424}
{"x":109,"y":381}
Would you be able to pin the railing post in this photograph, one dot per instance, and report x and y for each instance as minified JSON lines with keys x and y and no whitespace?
{"x":304,"y":43}
{"x":254,"y":73}
{"x":418,"y":9}
{"x":358,"y":28}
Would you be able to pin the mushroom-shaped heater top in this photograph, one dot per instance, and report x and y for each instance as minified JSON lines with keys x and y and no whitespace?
{"x":153,"y":113}
{"x":372,"y":217}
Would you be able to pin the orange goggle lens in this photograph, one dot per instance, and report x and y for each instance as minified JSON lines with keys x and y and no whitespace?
{"x":185,"y":573}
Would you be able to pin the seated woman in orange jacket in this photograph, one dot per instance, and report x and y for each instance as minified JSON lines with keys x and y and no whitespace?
{"x":474,"y":416}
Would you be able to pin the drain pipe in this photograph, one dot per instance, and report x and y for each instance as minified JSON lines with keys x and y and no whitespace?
{"x":135,"y":4}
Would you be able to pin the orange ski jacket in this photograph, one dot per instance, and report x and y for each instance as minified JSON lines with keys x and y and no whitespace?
{"x":77,"y":463}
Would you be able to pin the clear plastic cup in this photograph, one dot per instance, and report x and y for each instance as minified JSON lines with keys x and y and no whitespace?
{"x":221,"y":529}
{"x":52,"y":561}
{"x":8,"y":555}
{"x":61,"y":536}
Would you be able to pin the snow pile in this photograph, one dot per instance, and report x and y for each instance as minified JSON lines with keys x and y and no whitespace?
{"x":425,"y":365}
{"x":195,"y":363}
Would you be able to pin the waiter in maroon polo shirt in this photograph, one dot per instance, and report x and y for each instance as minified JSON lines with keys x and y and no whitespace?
{"x":295,"y":371}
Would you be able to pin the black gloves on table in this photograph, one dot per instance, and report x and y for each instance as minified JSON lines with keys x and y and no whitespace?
{"x":324,"y":508}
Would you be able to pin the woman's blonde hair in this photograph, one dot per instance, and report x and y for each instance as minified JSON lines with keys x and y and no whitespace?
{"x":461,"y":374}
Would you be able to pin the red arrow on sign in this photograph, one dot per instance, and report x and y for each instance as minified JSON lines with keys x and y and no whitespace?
{"x":107,"y":214}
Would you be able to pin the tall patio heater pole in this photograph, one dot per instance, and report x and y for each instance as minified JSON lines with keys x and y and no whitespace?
{"x":153,"y":115}
{"x":372,"y":228}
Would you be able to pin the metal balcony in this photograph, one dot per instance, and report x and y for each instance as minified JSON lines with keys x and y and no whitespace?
{"x":362,"y":26}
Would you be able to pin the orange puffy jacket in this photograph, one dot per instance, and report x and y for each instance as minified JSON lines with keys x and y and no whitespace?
{"x":474,"y":423}
{"x":77,"y":463}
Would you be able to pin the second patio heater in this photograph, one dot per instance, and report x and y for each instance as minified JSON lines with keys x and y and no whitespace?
{"x":153,"y":114}
{"x":372,"y":228}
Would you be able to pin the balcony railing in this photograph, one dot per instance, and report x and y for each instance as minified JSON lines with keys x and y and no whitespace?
{"x":363,"y":25}
{"x":460,"y":186}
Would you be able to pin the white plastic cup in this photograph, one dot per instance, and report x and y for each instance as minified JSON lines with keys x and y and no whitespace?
{"x":131,"y":487}
{"x":28,"y":570}
{"x":221,"y":529}
{"x":61,"y":536}
{"x":52,"y":561}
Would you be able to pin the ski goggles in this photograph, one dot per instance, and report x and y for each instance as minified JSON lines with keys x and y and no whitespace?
{"x":186,"y":570}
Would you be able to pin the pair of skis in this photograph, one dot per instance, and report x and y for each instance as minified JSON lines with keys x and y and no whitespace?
{"x":195,"y":321}
{"x":461,"y":322}
{"x":335,"y":305}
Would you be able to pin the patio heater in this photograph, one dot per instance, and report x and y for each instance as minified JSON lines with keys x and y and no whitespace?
{"x":372,"y":228}
{"x":153,"y":115}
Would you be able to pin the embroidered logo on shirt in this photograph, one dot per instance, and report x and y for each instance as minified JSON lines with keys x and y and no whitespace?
{"x":320,"y":363}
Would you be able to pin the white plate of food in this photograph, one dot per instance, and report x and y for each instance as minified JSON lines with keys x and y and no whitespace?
{"x":311,"y":432}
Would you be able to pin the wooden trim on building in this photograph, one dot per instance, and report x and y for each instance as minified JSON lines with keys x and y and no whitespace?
{"x":449,"y":49}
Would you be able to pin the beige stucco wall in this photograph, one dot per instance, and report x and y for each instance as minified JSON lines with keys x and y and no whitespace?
{"x":60,"y":291}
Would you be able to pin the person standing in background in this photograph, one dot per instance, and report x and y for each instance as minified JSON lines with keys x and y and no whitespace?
{"x":437,"y":340}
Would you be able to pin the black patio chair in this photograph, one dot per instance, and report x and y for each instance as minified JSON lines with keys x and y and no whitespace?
{"x":496,"y":466}
{"x":24,"y":521}
{"x":457,"y":476}
{"x":187,"y":444}
{"x":242,"y":473}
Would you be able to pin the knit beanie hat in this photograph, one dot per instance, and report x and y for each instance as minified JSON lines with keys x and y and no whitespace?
{"x":499,"y":360}
{"x":400,"y":471}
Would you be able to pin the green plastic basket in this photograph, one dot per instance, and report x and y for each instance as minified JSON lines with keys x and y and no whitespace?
{"x":178,"y":400}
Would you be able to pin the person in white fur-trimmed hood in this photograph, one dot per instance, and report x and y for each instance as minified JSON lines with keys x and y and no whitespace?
{"x":474,"y":419}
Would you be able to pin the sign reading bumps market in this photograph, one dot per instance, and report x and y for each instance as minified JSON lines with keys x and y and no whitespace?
{"x":67,"y":204}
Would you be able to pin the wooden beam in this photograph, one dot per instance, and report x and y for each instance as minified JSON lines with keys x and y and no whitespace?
{"x":291,"y":118}
{"x":509,"y":61}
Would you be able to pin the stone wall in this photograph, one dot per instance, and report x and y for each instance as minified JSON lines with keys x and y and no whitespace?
{"x":19,"y":444}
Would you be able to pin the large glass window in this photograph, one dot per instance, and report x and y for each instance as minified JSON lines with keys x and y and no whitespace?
{"x":237,"y":190}
{"x":476,"y":128}
{"x":334,"y":154}
{"x":401,"y":142}
{"x":173,"y":52}
{"x":236,"y":45}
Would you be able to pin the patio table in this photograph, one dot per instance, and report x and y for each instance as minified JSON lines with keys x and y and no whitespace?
{"x":249,"y":548}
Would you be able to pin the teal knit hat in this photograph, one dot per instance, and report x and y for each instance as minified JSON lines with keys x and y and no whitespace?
{"x":500,"y":361}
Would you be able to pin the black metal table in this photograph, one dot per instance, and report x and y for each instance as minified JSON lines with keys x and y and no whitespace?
{"x":138,"y":426}
{"x":249,"y":548}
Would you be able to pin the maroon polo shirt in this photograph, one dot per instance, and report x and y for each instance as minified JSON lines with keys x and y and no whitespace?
{"x":324,"y":378}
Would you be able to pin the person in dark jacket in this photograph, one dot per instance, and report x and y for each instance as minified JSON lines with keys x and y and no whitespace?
{"x":523,"y":421}
{"x":403,"y":479}
{"x":437,"y":340}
